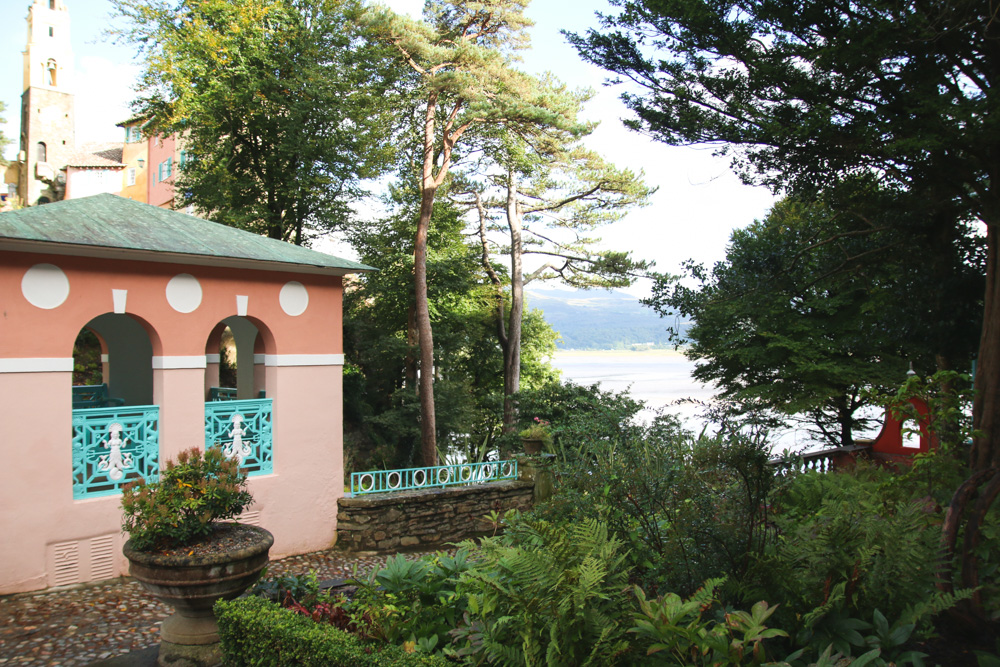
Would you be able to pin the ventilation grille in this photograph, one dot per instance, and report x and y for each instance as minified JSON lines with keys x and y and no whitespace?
{"x":102,"y":557}
{"x":251,"y":518}
{"x":66,"y":563}
{"x":80,"y":561}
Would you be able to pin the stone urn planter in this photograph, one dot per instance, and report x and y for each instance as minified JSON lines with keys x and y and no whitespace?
{"x":536,"y":437}
{"x":532,"y":446}
{"x":192,"y":579}
{"x":184,"y":549}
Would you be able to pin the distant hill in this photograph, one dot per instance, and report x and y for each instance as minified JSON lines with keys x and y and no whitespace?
{"x":600,"y":319}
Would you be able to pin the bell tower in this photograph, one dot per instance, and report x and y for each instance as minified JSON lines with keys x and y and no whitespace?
{"x":48,"y":124}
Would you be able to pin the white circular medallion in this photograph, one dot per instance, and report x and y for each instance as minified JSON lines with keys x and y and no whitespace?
{"x":45,"y":286}
{"x":184,"y":293}
{"x":294,"y":298}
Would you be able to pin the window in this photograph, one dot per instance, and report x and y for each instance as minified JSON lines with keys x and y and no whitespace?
{"x":42,"y":153}
{"x":131,"y":176}
{"x":170,"y":166}
{"x":52,"y":4}
{"x":52,"y":31}
{"x":183,"y":159}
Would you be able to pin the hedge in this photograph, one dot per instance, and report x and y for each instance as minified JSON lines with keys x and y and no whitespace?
{"x":256,"y":632}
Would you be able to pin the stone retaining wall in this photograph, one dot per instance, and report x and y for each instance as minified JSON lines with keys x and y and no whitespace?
{"x":425,"y":518}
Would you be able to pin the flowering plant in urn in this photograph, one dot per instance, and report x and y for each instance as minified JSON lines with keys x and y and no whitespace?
{"x":192,"y":493}
{"x":182,"y":551}
{"x":536,"y":436}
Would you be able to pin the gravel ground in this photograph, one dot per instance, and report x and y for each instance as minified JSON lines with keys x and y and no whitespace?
{"x":94,"y":622}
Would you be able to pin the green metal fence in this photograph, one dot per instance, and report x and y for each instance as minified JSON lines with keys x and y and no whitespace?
{"x":407,"y":479}
{"x":243,"y":430}
{"x":114,"y":446}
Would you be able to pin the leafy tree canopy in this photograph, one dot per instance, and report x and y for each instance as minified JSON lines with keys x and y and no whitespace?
{"x":279,"y":103}
{"x":380,"y":341}
{"x":462,"y":55}
{"x":807,"y":93}
{"x":4,"y":141}
{"x":812,"y":89}
{"x":812,"y":306}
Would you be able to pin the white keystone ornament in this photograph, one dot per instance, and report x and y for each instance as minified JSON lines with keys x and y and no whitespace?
{"x":237,"y":449}
{"x":114,"y":462}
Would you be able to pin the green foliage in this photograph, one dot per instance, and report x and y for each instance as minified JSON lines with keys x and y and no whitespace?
{"x":87,"y":359}
{"x":846,"y":555}
{"x":304,"y":588}
{"x":545,"y":594}
{"x":539,"y":430}
{"x":815,"y":308}
{"x":4,"y":140}
{"x":582,"y":417}
{"x":381,"y":409}
{"x":689,"y":509}
{"x":256,"y":632}
{"x":806,"y":96}
{"x":412,"y":600}
{"x":196,"y":490}
{"x":677,"y":631}
{"x":309,"y":87}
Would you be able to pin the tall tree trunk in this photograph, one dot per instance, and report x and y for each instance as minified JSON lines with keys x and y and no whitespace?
{"x":985,"y":409}
{"x":512,"y":351}
{"x":428,"y":189}
{"x":412,"y":343}
{"x":844,"y":418}
{"x":509,"y":410}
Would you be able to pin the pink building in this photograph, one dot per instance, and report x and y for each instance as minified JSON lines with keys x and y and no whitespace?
{"x":163,"y":164}
{"x":158,"y":288}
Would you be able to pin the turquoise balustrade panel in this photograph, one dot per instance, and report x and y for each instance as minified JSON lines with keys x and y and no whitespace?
{"x":114,"y":446}
{"x":407,"y":479}
{"x":243,"y":430}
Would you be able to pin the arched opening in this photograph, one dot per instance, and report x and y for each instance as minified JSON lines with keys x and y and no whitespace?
{"x":237,"y":409}
{"x":41,"y":152}
{"x":50,"y":72}
{"x":115,"y":425}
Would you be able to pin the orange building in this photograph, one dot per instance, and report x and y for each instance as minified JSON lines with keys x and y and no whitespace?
{"x":135,"y":157}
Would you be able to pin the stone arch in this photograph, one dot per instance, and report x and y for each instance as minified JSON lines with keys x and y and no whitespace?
{"x":128,"y":345}
{"x":251,"y":340}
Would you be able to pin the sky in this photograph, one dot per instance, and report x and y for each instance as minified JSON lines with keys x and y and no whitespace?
{"x":698,"y":204}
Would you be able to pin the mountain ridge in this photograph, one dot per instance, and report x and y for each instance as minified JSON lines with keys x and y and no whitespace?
{"x":600,"y":319}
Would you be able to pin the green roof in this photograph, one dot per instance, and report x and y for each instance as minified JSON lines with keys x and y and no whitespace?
{"x":106,"y":222}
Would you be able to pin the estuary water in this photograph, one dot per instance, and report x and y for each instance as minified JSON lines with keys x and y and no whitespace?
{"x":659,"y":378}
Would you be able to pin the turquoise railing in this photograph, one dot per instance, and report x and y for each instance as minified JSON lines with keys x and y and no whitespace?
{"x":243,"y":430}
{"x":382,"y":481}
{"x":114,"y":446}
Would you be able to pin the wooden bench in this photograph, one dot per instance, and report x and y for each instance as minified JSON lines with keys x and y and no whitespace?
{"x":221,"y":394}
{"x":94,"y":396}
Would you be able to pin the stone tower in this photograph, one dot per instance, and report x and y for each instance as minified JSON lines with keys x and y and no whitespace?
{"x":48,"y":135}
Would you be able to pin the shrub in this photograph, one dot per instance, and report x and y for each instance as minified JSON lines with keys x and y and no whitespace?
{"x":411,"y":600}
{"x":689,"y":509}
{"x":847,"y":557}
{"x":256,"y":632}
{"x":196,"y":490}
{"x":544,"y":594}
{"x":680,"y":633}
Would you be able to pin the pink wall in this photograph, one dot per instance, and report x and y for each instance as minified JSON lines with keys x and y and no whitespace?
{"x":161,"y":193}
{"x":51,"y":538}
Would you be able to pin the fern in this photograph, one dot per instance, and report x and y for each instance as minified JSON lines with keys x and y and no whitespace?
{"x":543,"y":594}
